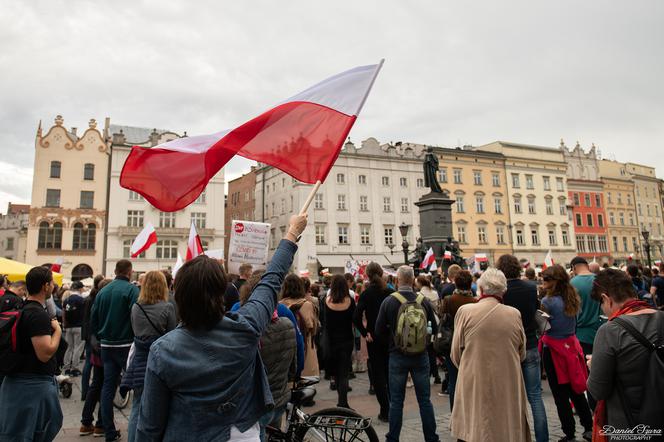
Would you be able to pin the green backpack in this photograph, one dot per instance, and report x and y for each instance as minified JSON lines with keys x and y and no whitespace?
{"x":410,"y":336}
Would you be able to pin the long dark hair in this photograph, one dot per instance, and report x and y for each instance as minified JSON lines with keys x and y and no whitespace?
{"x":339,"y":289}
{"x":374,"y":272}
{"x":293,"y":287}
{"x":563,"y":288}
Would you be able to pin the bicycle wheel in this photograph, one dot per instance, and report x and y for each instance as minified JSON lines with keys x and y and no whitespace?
{"x":120,"y":402}
{"x":336,"y":433}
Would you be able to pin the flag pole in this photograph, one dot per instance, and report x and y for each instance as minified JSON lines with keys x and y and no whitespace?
{"x":310,"y":198}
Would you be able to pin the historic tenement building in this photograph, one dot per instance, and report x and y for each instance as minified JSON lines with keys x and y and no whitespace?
{"x":69,"y":199}
{"x":240,"y":202}
{"x":13,"y":229}
{"x":648,"y":206}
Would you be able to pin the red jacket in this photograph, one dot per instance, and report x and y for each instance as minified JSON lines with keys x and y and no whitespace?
{"x":568,"y":360}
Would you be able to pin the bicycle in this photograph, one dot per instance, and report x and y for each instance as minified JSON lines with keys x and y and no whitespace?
{"x":330,"y":425}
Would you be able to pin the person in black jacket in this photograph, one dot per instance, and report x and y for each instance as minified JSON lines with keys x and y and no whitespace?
{"x":522,"y":295}
{"x":367,"y":308}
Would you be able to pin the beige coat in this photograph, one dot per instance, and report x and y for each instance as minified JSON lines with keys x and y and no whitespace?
{"x":308,"y":319}
{"x":490,"y":403}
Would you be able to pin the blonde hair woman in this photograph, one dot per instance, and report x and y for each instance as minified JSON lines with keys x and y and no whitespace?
{"x":151,"y":317}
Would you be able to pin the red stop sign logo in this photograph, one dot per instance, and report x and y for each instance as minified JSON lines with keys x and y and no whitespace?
{"x":239,"y":228}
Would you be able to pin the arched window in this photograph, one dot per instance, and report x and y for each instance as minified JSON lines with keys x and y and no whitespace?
{"x":49,"y":237}
{"x":167,"y":249}
{"x":84,"y":236}
{"x":89,"y":171}
{"x":81,"y":271}
{"x":56,"y":167}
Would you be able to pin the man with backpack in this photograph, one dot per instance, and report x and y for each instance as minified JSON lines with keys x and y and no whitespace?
{"x":13,"y":296}
{"x":406,"y":320}
{"x":29,"y":404}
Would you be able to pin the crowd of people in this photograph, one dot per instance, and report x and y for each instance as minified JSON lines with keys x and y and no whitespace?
{"x":210,"y":355}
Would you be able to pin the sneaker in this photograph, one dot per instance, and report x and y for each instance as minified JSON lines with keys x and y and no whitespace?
{"x":442,"y":393}
{"x":437,"y":380}
{"x":333,"y":386}
{"x":99,"y":432}
{"x":86,"y":430}
{"x":117,"y":436}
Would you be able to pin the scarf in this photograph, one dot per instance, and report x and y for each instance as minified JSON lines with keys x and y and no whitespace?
{"x":460,"y":292}
{"x":600,"y":418}
{"x":499,"y":298}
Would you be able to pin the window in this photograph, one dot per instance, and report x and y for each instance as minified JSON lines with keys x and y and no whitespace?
{"x":625,"y":244}
{"x":167,"y":249}
{"x":283,"y":183}
{"x":481,"y":234}
{"x":87,"y":199}
{"x":589,"y":219}
{"x":549,"y":206}
{"x":559,"y":185}
{"x":404,"y":205}
{"x":89,"y":172}
{"x":601,"y":242}
{"x":612,"y":218}
{"x":638,"y":206}
{"x":530,"y":184}
{"x":608,"y":198}
{"x":56,"y":168}
{"x":385,"y":180}
{"x":520,"y":240}
{"x":274,"y":212}
{"x":84,"y":237}
{"x":341,"y":178}
{"x":364,"y":203}
{"x":457,"y":176}
{"x":443,"y":175}
{"x":581,"y":243}
{"x":320,"y":234}
{"x":586,"y":198}
{"x":592,"y":243}
{"x":10,"y":244}
{"x":477,"y":177}
{"x":498,"y":205}
{"x":461,"y":233}
{"x":365,"y":234}
{"x":517,"y":204}
{"x":600,"y":220}
{"x":531,"y":205}
{"x":621,"y":215}
{"x":648,"y":209}
{"x":534,"y":236}
{"x":500,"y":234}
{"x":362,"y":179}
{"x":420,"y":182}
{"x":198,"y":219}
{"x":403,"y":182}
{"x":202,"y":197}
{"x":167,"y":219}
{"x":49,"y":237}
{"x":576,"y":199}
{"x":459,"y":204}
{"x":565,"y":234}
{"x":283,"y":206}
{"x":563,"y":206}
{"x":52,"y":197}
{"x":318,"y":201}
{"x":631,"y":219}
{"x":620,"y":198}
{"x":598,"y":200}
{"x":615,"y":243}
{"x":629,"y":199}
{"x":387,"y":204}
{"x":479,"y":203}
{"x":552,"y":236}
{"x":495,"y":179}
{"x":291,"y":203}
{"x":134,"y":218}
{"x":515,"y":181}
{"x":579,"y":219}
{"x":343,"y":234}
{"x":246,"y":196}
{"x":547,"y":182}
{"x":135,"y":196}
{"x":388,"y":235}
{"x":273,"y":238}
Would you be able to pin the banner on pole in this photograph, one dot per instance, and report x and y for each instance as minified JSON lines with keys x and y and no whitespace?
{"x":248,"y":244}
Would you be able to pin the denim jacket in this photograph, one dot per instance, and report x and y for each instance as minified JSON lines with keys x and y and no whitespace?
{"x":200,"y":383}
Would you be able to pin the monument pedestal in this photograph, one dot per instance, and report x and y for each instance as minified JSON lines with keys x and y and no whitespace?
{"x":435,"y":221}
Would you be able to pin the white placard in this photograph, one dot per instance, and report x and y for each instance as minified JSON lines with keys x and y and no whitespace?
{"x":216,"y":253}
{"x":248,"y":244}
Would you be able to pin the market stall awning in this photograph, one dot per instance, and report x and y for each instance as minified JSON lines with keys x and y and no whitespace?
{"x":16,"y":271}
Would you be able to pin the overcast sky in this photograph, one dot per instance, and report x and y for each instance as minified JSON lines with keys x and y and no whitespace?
{"x":455,"y":72}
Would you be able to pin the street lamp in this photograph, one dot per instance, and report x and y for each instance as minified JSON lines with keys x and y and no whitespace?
{"x":391,"y":247}
{"x":646,"y":245}
{"x":403,"y":229}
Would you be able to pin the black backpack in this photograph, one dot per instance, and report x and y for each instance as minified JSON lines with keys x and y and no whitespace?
{"x":652,"y":407}
{"x":10,"y":355}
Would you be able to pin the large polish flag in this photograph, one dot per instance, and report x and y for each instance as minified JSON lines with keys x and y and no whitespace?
{"x":144,"y":240}
{"x":194,"y":245}
{"x":301,"y":136}
{"x":428,"y":259}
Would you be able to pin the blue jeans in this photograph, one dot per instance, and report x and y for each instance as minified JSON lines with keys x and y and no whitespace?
{"x":87,"y":371}
{"x":532,"y":377}
{"x":133,"y":417}
{"x":418,"y":367}
{"x":268,"y":418}
{"x":452,"y":374}
{"x":114,"y":360}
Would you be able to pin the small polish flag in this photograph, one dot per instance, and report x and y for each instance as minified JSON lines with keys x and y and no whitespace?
{"x":447,"y":255}
{"x":177,"y":265}
{"x":144,"y":240}
{"x":631,"y":256}
{"x":429,"y":258}
{"x":194,"y":245}
{"x":433,"y":267}
{"x":57,"y":265}
{"x":481,"y":257}
{"x":548,"y":260}
{"x":526,"y":264}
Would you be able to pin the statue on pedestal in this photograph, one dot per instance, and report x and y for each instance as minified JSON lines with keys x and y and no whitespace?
{"x":431,"y":171}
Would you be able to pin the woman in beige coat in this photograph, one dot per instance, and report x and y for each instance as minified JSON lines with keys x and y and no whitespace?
{"x":294,"y":297}
{"x":488,"y":346}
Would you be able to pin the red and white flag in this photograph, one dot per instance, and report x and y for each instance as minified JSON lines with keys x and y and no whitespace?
{"x":525,"y":264}
{"x":433,"y":267}
{"x":178,"y":263}
{"x":447,"y":255}
{"x":548,"y":260}
{"x":144,"y":240}
{"x":57,"y":265}
{"x":428,"y":259}
{"x":301,"y":136}
{"x":194,"y":245}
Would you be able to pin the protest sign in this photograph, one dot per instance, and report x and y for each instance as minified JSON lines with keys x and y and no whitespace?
{"x":248,"y":244}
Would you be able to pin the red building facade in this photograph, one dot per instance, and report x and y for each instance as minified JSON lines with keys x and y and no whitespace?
{"x":589,"y":220}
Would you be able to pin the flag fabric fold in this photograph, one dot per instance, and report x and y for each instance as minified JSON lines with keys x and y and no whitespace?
{"x":57,"y":264}
{"x":194,"y":245}
{"x":548,"y":260}
{"x":144,"y":240}
{"x":428,"y":259}
{"x":301,"y":136}
{"x":178,"y":263}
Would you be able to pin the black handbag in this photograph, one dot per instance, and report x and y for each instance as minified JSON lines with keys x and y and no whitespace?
{"x":442,"y":341}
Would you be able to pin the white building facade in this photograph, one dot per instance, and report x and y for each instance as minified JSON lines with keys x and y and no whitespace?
{"x":13,"y":230}
{"x":129,"y":212}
